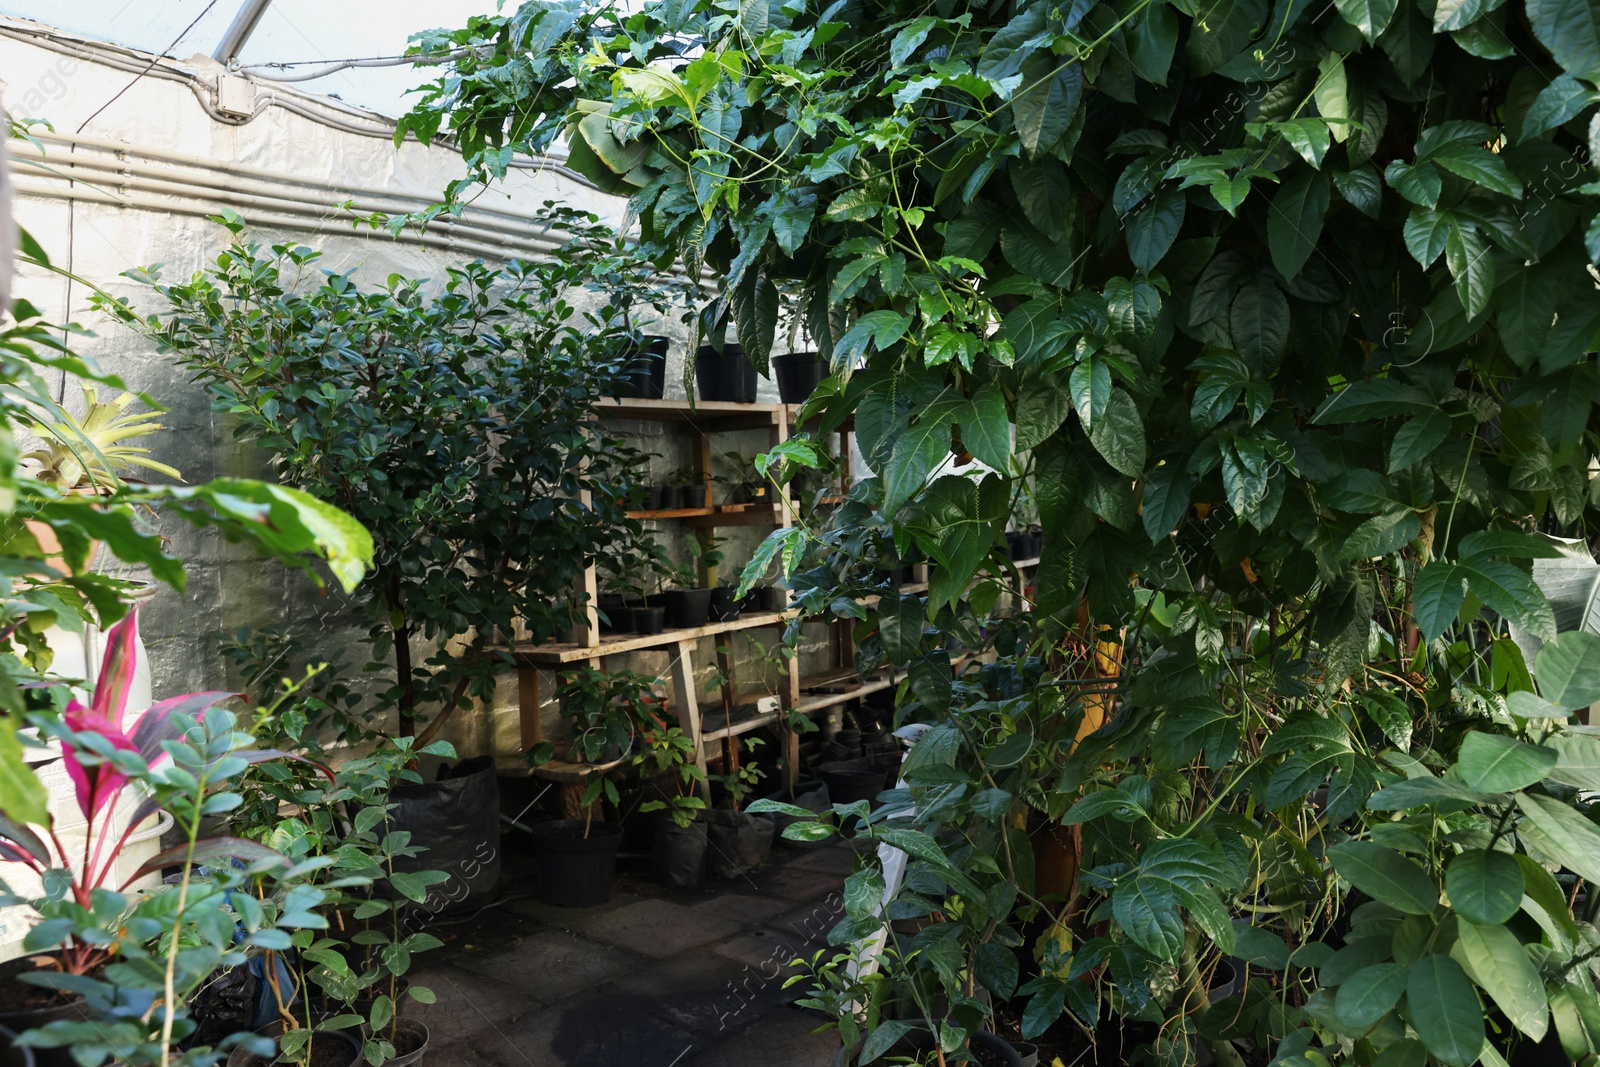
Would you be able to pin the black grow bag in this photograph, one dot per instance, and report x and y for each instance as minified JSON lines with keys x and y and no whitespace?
{"x":725,"y":375}
{"x":740,"y":842}
{"x":456,"y":820}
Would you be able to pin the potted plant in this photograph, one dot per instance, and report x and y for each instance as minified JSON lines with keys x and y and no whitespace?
{"x":679,"y":856}
{"x":741,"y":840}
{"x":722,"y":373}
{"x":97,"y":948}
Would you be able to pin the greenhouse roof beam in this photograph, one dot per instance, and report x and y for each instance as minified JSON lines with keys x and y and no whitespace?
{"x":239,"y":31}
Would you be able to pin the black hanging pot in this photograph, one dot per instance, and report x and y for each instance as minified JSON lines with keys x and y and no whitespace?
{"x":24,"y":1006}
{"x":798,"y":375}
{"x":725,"y":375}
{"x":346,"y":1044}
{"x":644,"y":370}
{"x":575,"y":870}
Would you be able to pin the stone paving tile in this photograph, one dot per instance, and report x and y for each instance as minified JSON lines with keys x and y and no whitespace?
{"x":550,"y":965}
{"x":839,"y":860}
{"x":658,"y":928}
{"x":799,"y":883}
{"x":705,"y":994}
{"x":783,"y":1039}
{"x":568,"y":918}
{"x":467,"y":1004}
{"x":743,"y":907}
{"x":597,"y":1030}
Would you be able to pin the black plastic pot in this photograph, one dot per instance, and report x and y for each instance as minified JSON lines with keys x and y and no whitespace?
{"x":1019,"y":545}
{"x":644,"y":376}
{"x":685,"y":608}
{"x":724,"y":608}
{"x":740,"y":841}
{"x":851,"y":780}
{"x":240,"y":1058}
{"x":20,"y":1019}
{"x":456,"y":822}
{"x":13,"y":1054}
{"x":798,"y":375}
{"x":647,"y":620}
{"x":575,"y":871}
{"x":679,"y":855}
{"x":813,"y":796}
{"x":921,"y":1041}
{"x":725,"y":375}
{"x":613,"y":614}
{"x":412,"y":1036}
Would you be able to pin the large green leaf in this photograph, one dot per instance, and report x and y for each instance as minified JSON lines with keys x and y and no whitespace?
{"x":1497,"y":961}
{"x":1119,"y":436}
{"x":1154,"y":226}
{"x":919,"y":448}
{"x":23,"y":799}
{"x":1471,"y":264}
{"x":1512,"y":592}
{"x":1050,"y":97}
{"x":986,"y":427}
{"x":1483,"y":885}
{"x":1577,"y":759}
{"x":1571,"y":30}
{"x":1568,"y":669}
{"x":1041,"y":409}
{"x":1444,"y":1010}
{"x":1385,"y":875}
{"x":1417,"y":439}
{"x":1295,"y":220}
{"x":900,"y":621}
{"x":1558,"y":833}
{"x":1371,"y":17}
{"x":1369,"y":994}
{"x":1437,"y":596}
{"x":1494,"y":763}
{"x":1259,"y":321}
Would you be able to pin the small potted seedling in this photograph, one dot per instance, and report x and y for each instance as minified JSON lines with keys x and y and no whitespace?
{"x":740,"y":840}
{"x":680,"y":848}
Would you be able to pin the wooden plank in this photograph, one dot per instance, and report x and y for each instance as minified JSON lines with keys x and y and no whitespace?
{"x":556,"y":654}
{"x":682,"y":671}
{"x":710,"y":415}
{"x":532,"y":727}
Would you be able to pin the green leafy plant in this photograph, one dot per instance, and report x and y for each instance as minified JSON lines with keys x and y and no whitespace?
{"x":457,"y":426}
{"x":92,"y":450}
{"x":668,"y":752}
{"x":1286,"y":311}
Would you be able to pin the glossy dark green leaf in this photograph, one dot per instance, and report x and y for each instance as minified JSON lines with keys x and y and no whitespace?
{"x":1371,"y":17}
{"x":1571,"y":30}
{"x":1417,"y":439}
{"x":1494,"y":763}
{"x":1295,"y":221}
{"x":1499,"y":963}
{"x":1567,"y":669}
{"x":1154,"y":226}
{"x":1384,"y":874}
{"x":1370,"y":994}
{"x":1444,"y":1010}
{"x":1484,"y":886}
{"x":1558,"y":833}
{"x":1050,"y":97}
{"x":1119,"y":436}
{"x":986,"y":427}
{"x":1259,"y":320}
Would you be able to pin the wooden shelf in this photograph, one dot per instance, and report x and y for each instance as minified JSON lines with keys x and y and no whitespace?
{"x":721,"y":515}
{"x":556,"y":654}
{"x":574,"y":773}
{"x":711,"y":415}
{"x":867,"y":687}
{"x":1021,"y":563}
{"x":739,"y":726}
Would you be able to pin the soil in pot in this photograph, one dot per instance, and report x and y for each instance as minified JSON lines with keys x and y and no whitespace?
{"x":329,"y":1048}
{"x":679,"y":856}
{"x":799,"y":374}
{"x":723,"y":607}
{"x":575,"y":871}
{"x":725,"y":375}
{"x":410,"y":1040}
{"x":687,"y":607}
{"x":24,"y":1006}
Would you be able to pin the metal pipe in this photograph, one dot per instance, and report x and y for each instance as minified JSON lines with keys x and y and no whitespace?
{"x":244,"y":24}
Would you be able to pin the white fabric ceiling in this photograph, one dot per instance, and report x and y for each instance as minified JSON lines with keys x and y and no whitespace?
{"x":291,"y":31}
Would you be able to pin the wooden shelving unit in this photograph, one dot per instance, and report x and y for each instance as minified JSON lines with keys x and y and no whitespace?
{"x":807,"y":696}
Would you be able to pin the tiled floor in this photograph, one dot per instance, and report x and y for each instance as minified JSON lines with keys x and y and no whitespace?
{"x":653,"y":978}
